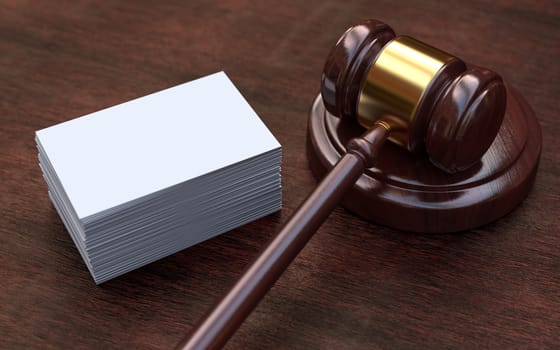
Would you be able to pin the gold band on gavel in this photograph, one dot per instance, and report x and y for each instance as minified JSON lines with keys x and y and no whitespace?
{"x":396,"y":84}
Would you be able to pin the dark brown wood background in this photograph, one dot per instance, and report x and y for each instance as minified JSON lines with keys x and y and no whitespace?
{"x":356,"y":285}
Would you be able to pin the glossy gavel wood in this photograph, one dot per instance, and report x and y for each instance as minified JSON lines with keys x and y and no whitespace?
{"x":435,"y":102}
{"x":489,"y":165}
{"x":224,"y":319}
{"x":456,"y":118}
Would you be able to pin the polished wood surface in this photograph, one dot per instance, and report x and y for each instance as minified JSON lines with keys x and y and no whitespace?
{"x":356,"y":285}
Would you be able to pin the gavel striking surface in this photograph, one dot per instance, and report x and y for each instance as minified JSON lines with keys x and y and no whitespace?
{"x":407,"y":192}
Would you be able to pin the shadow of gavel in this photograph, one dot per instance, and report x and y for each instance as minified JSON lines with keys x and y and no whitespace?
{"x":400,"y":89}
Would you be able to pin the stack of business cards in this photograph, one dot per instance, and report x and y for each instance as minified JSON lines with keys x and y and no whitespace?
{"x":147,"y":178}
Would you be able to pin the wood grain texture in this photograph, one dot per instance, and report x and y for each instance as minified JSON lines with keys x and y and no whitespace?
{"x":356,"y":285}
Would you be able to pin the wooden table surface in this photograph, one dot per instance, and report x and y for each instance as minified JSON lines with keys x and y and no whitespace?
{"x":356,"y":285}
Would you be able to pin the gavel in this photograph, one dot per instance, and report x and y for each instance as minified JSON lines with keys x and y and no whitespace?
{"x":398,"y":88}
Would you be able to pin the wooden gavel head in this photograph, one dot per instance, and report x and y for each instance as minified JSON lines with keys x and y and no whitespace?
{"x":427,"y":97}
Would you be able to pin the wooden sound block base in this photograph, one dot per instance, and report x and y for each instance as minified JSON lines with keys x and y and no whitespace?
{"x":405,"y":191}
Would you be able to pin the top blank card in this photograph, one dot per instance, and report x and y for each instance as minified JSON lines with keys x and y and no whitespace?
{"x":134,"y":149}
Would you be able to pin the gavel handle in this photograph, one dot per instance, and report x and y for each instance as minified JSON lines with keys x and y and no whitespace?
{"x":226,"y":317}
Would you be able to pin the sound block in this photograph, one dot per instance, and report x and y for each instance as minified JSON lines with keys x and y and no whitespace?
{"x":405,"y":191}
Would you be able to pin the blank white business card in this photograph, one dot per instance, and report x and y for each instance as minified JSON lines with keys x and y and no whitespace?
{"x":120,"y":154}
